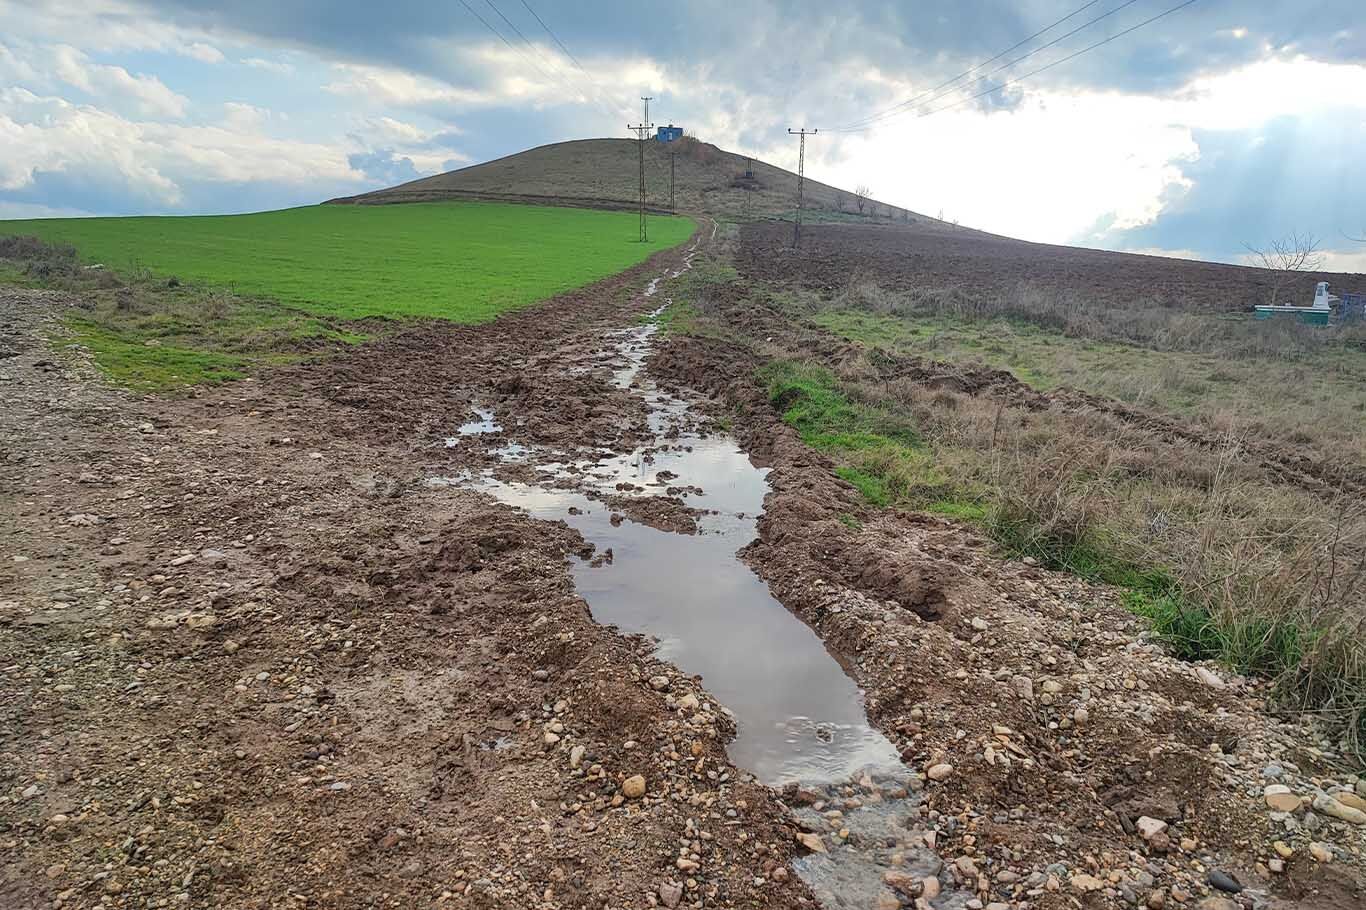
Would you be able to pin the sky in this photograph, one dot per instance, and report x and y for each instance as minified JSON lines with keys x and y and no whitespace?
{"x":1222,"y":124}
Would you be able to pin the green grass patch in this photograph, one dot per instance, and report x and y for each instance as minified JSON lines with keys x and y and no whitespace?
{"x":462,"y":261}
{"x":157,"y":366}
{"x":880,"y":453}
{"x":193,"y":300}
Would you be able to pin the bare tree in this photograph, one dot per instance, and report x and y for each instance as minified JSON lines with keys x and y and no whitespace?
{"x":840,"y":199}
{"x":861,"y":194}
{"x":1287,"y":258}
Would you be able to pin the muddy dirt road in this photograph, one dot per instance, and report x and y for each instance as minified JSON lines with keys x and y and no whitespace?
{"x":335,"y":637}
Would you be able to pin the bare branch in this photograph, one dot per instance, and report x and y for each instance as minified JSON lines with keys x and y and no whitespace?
{"x":861,"y":194}
{"x":1287,"y":258}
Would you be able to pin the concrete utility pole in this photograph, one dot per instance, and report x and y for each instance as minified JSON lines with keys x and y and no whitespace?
{"x":801,"y":180}
{"x":642,"y":131}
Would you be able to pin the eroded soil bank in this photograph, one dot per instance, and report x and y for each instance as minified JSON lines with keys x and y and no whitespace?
{"x":251,"y":657}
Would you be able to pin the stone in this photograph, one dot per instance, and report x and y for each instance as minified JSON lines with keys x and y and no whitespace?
{"x":811,"y":842}
{"x":550,"y":738}
{"x":1321,"y":852}
{"x":689,"y":702}
{"x":1222,"y":881}
{"x":1157,"y":900}
{"x":1209,"y":678}
{"x":1216,"y":903}
{"x":634,"y":787}
{"x":1148,"y":828}
{"x":1276,"y":865}
{"x":1023,"y":686}
{"x":907,"y":884}
{"x":1283,"y":849}
{"x":886,"y":900}
{"x":576,"y":756}
{"x":1351,"y":800}
{"x":929,"y":888}
{"x":1281,"y":798}
{"x":980,"y":624}
{"x":670,"y":893}
{"x":940,"y":771}
{"x":1330,"y":806}
{"x":1080,"y":717}
{"x":659,"y":684}
{"x":1086,"y":883}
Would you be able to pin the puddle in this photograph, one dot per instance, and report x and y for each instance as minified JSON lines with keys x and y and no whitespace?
{"x":799,"y":717}
{"x":483,"y":425}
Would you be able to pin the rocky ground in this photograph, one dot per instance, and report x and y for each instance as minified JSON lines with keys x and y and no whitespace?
{"x":250,"y":658}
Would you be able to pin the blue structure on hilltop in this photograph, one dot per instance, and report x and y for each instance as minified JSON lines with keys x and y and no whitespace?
{"x":669,"y":133}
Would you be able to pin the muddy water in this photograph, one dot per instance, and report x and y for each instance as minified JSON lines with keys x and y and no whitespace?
{"x":799,"y":717}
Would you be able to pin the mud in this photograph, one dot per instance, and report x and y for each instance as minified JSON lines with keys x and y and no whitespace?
{"x":253,"y":658}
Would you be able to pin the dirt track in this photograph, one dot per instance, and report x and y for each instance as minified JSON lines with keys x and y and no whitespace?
{"x":251,"y":659}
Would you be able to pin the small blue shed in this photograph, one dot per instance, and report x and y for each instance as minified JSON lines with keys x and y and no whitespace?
{"x":669,"y":133}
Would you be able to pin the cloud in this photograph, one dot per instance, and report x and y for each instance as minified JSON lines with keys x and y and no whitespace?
{"x":204,"y":53}
{"x":147,"y":93}
{"x":71,"y":155}
{"x":272,"y":66}
{"x":384,"y":166}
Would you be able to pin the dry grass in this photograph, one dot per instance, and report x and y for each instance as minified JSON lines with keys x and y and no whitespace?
{"x":1145,"y":322}
{"x":1268,"y":579}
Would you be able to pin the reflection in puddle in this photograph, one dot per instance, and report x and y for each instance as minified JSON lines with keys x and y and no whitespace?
{"x":482,"y":425}
{"x":799,"y":717}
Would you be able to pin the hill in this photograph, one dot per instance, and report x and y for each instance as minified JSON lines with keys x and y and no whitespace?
{"x":604,"y":173}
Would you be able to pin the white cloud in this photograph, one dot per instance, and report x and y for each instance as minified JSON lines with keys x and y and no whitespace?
{"x":1059,"y":163}
{"x":1346,"y":260}
{"x":155,"y":160}
{"x":204,"y":53}
{"x":148,"y":93}
{"x":385,"y":86}
{"x":273,"y":66}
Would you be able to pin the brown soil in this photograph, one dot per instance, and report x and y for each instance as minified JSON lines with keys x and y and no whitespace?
{"x":933,"y":256}
{"x":252,"y":659}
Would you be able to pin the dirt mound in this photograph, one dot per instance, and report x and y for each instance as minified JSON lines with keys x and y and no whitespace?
{"x":602,"y":173}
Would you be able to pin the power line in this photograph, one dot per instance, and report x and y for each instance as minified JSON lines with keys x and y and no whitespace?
{"x":1072,"y":56}
{"x":935,"y":94}
{"x":970,"y":70}
{"x":567,"y":52}
{"x":548,"y":60}
{"x":514,"y":48}
{"x":1042,"y":69}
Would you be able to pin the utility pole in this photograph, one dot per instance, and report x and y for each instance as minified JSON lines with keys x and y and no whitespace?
{"x":642,"y":130}
{"x":801,"y":180}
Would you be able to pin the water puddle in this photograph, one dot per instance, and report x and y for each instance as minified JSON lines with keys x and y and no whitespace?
{"x":482,"y":425}
{"x":799,"y":717}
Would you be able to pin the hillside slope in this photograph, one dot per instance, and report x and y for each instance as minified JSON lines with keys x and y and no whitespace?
{"x":604,"y":172}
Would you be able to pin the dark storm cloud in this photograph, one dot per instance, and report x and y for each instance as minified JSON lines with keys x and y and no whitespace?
{"x":791,"y":51}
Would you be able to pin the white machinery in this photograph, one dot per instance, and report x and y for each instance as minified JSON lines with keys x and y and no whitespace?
{"x":1322,"y":299}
